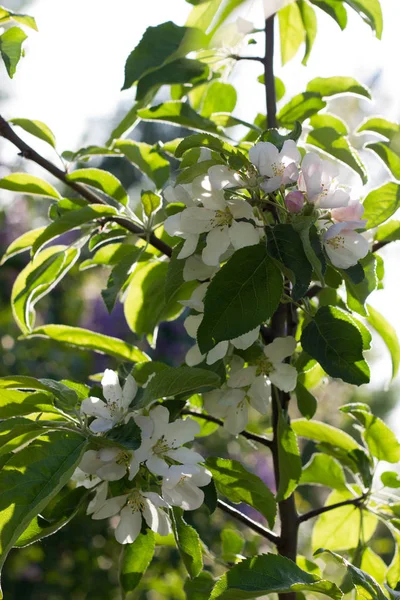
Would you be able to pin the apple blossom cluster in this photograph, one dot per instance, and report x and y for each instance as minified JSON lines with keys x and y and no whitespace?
{"x":162,"y":472}
{"x":224,"y":210}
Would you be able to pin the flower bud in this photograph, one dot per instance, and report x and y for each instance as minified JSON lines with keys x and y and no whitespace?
{"x":294,"y":201}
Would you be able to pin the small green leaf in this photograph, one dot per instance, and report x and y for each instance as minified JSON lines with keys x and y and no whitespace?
{"x":36,"y":128}
{"x":188,"y":542}
{"x":182,"y":70}
{"x":151,"y":202}
{"x":103,"y":181}
{"x":381,"y":204}
{"x":291,"y":30}
{"x":332,"y":86}
{"x":306,"y":402}
{"x":237,"y":484}
{"x":310,"y":26}
{"x":336,"y":343}
{"x":300,"y":107}
{"x":205,"y":140}
{"x":177,"y":113}
{"x":327,"y":120}
{"x":179,"y":380}
{"x":371,"y":12}
{"x":119,"y":276}
{"x":382,"y":126}
{"x":243,"y":294}
{"x":357,"y":294}
{"x":11,"y":48}
{"x":7,"y":15}
{"x":322,"y":432}
{"x":135,"y":560}
{"x":219,"y":97}
{"x":267,"y":574}
{"x":390,"y":479}
{"x":146,"y":159}
{"x":334,"y":9}
{"x":288,"y":457}
{"x":174,"y":278}
{"x":200,"y":587}
{"x":389,"y":154}
{"x":323,"y":469}
{"x":388,"y":334}
{"x":232,"y":544}
{"x":28,"y":184}
{"x":21,"y":244}
{"x":90,"y":340}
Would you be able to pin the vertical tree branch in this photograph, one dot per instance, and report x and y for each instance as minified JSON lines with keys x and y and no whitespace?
{"x":269,"y":78}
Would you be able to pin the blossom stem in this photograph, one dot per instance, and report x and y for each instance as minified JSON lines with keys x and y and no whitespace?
{"x":26,"y":151}
{"x":358,"y":502}
{"x":239,"y":516}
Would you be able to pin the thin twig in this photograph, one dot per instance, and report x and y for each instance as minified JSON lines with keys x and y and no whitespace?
{"x":246,"y":434}
{"x":237,"y":514}
{"x":29,"y":153}
{"x":256,"y":58}
{"x":323,"y":509}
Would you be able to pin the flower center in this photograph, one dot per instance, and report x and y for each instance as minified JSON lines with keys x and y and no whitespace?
{"x":278,"y":169}
{"x":123,"y":458}
{"x":222,"y":218}
{"x":336,"y":242}
{"x":161,"y":446}
{"x":114,"y":408}
{"x":264,"y":366}
{"x":136,"y":501}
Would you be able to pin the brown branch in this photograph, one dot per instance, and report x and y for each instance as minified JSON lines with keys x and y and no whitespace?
{"x":378,"y":245}
{"x":239,"y":516}
{"x":269,"y":78}
{"x":255,"y":58}
{"x":319,"y":511}
{"x":7,"y":132}
{"x":246,"y":434}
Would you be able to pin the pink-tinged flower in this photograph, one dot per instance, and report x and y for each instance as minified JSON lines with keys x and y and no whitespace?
{"x":353,"y":212}
{"x":318,"y":180}
{"x":344,"y":245}
{"x":294,"y":201}
{"x":281,"y":167}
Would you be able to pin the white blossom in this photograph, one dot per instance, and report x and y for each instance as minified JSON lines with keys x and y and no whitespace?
{"x":109,"y":463}
{"x":114,"y":409}
{"x":281,"y":167}
{"x":344,"y":245}
{"x":318,"y":181}
{"x":132,"y":508}
{"x":353,"y":212}
{"x":181,"y":487}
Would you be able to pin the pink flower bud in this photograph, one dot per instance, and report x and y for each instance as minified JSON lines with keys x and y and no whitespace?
{"x":294,"y":201}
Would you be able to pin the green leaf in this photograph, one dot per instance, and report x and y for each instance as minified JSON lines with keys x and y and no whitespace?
{"x":327,"y":120}
{"x":388,"y":334}
{"x":382,"y":126}
{"x":159,"y":45}
{"x":90,"y":340}
{"x":174,"y":278}
{"x":291,"y":31}
{"x":128,"y":435}
{"x":21,"y":244}
{"x":179,"y":380}
{"x":232,"y":544}
{"x":21,"y":382}
{"x":243,"y":294}
{"x":16,"y":432}
{"x":101,"y":180}
{"x":288,"y":457}
{"x":343,"y":528}
{"x":7,"y":15}
{"x":177,"y":113}
{"x":36,"y":128}
{"x":372,"y":564}
{"x":188,"y":542}
{"x":306,"y":402}
{"x":336,"y":343}
{"x":390,"y":232}
{"x":310,"y":26}
{"x":322,"y":432}
{"x":72,"y":220}
{"x":205,"y":140}
{"x":393,"y":572}
{"x":365,"y":585}
{"x":285,"y":245}
{"x":389,"y":154}
{"x":135,"y":560}
{"x":31,"y":477}
{"x":381,"y":204}
{"x":237,"y":484}
{"x":334,"y":143}
{"x":146,"y":159}
{"x":127,"y":124}
{"x":182,"y":70}
{"x":267,"y":574}
{"x":195,"y":170}
{"x":16,"y":403}
{"x":300,"y":107}
{"x":357,"y":294}
{"x":219,"y":97}
{"x":151,"y":202}
{"x":334,"y":9}
{"x":390,"y":479}
{"x":83,"y":154}
{"x":37,"y":279}
{"x":200,"y":587}
{"x":332,"y":86}
{"x":11,"y":48}
{"x":119,"y":276}
{"x":311,"y":244}
{"x":323,"y":469}
{"x":371,"y":13}
{"x":28,"y":184}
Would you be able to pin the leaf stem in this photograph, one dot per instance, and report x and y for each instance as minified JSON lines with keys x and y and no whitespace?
{"x":255,"y":58}
{"x":239,"y":516}
{"x":323,"y":509}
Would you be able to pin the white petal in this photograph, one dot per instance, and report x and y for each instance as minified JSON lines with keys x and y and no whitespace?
{"x":99,"y":425}
{"x":90,"y":462}
{"x":156,"y":518}
{"x":157,"y":465}
{"x":146,"y":425}
{"x":194,"y":356}
{"x":221,"y":177}
{"x":155,"y":499}
{"x":196,"y":269}
{"x":335,"y":199}
{"x":290,"y":174}
{"x":217,"y":353}
{"x":181,"y":431}
{"x":247,"y":339}
{"x":112,"y":471}
{"x":242,"y":377}
{"x":213,"y":405}
{"x":289,"y":153}
{"x":190,"y":245}
{"x":263,"y":155}
{"x":129,"y":526}
{"x":107,"y":454}
{"x":280,"y":348}
{"x":272,"y":184}
{"x":129,"y":391}
{"x":260,"y":394}
{"x":95,"y":407}
{"x":191,"y":324}
{"x":202,"y":477}
{"x":172,"y":225}
{"x":134,"y":466}
{"x":111,"y":507}
{"x":237,"y":418}
{"x":243,"y":234}
{"x":197,"y":220}
{"x":240,"y":209}
{"x":111,"y":388}
{"x":99,"y":498}
{"x":185,"y":456}
{"x":284,"y":376}
{"x":196,"y":299}
{"x":217,"y":241}
{"x":346,"y":247}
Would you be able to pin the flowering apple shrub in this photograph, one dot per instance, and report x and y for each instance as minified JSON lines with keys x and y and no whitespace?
{"x":267,"y":255}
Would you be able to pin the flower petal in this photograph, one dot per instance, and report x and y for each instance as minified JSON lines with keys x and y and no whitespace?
{"x":247,"y":339}
{"x":197,"y":220}
{"x":129,"y":391}
{"x":190,"y":245}
{"x":237,"y":418}
{"x":284,"y":377}
{"x":99,"y":425}
{"x":242,"y":377}
{"x":260,"y":394}
{"x":129,"y":526}
{"x":111,"y":388}
{"x":217,"y":241}
{"x":280,"y":348}
{"x":194,"y":356}
{"x":191,"y":324}
{"x":111,"y":507}
{"x":185,"y":456}
{"x":240,"y":209}
{"x":111,"y":471}
{"x":217,"y":353}
{"x":243,"y":234}
{"x":95,"y":407}
{"x":157,"y":465}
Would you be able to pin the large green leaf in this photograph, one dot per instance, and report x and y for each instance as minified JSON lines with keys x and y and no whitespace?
{"x":268,"y":574}
{"x":188,"y":542}
{"x":146,"y":159}
{"x":389,"y":154}
{"x":357,"y":293}
{"x":159,"y":45}
{"x":306,"y":401}
{"x":36,"y":128}
{"x":28,"y":184}
{"x":336,"y":343}
{"x":177,"y":113}
{"x":371,"y":12}
{"x":300,"y":107}
{"x":172,"y":381}
{"x":31,"y":477}
{"x":119,"y":276}
{"x":331,"y":86}
{"x":291,"y":29}
{"x":182,"y":70}
{"x":11,"y":48}
{"x":135,"y":559}
{"x":38,"y":278}
{"x":323,"y":470}
{"x":327,"y":120}
{"x":288,"y":458}
{"x":16,"y":403}
{"x":16,"y":432}
{"x":322,"y":432}
{"x":239,"y":485}
{"x":243,"y":294}
{"x":21,"y":244}
{"x":388,"y":334}
{"x":389,"y":232}
{"x":342,"y":528}
{"x":381,"y":204}
{"x":90,"y":340}
{"x":219,"y":97}
{"x":379,"y":125}
{"x":101,"y":180}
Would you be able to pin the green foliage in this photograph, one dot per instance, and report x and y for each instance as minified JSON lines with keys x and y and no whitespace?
{"x":371,"y":12}
{"x":331,"y":86}
{"x":219,"y":97}
{"x":288,"y":457}
{"x":306,"y":402}
{"x":291,"y":31}
{"x":322,"y":432}
{"x":388,"y":334}
{"x":146,"y":159}
{"x":135,"y":559}
{"x":323,"y":470}
{"x":36,"y":128}
{"x":357,"y":293}
{"x":28,"y":184}
{"x":11,"y":48}
{"x":300,"y":107}
{"x":177,"y":113}
{"x":188,"y":542}
{"x":173,"y":381}
{"x":103,"y":181}
{"x":381,"y":204}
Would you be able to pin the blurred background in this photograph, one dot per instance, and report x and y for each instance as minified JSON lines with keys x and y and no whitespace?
{"x":70,"y":78}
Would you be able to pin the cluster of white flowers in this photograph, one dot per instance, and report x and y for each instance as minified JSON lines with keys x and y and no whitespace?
{"x":224,"y":211}
{"x":160,"y":473}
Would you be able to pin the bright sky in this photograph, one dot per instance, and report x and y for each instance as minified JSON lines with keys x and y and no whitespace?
{"x":73,"y":71}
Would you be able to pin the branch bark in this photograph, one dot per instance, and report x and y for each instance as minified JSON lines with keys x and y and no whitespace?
{"x":319,"y":511}
{"x":239,"y":516}
{"x":26,"y":151}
